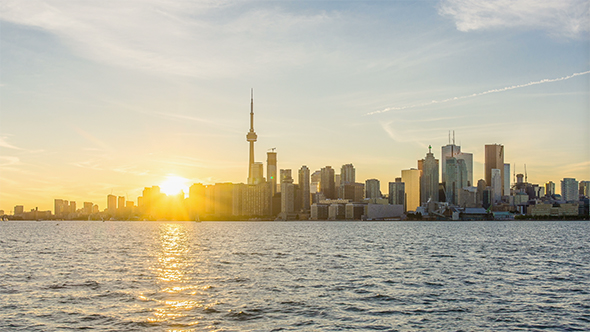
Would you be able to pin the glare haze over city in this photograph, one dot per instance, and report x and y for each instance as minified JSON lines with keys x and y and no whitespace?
{"x":100,"y":97}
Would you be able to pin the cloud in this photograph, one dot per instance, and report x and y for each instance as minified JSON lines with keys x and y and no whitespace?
{"x":5,"y":144}
{"x":567,"y":18}
{"x":512,"y":87}
{"x":191,"y":38}
{"x":9,"y":160}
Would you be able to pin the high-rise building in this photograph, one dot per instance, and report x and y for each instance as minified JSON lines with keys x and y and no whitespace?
{"x":111,"y":203}
{"x":481,"y":187}
{"x":58,"y":208}
{"x":569,"y":189}
{"x":355,"y":192}
{"x":506,"y":191}
{"x":88,"y":207}
{"x":584,"y":188}
{"x":454,"y":151}
{"x":257,"y":173}
{"x":397,"y":192}
{"x":550,"y":188}
{"x":327,"y":184}
{"x":496,"y":185}
{"x":284,"y":175}
{"x":120,"y":202}
{"x":304,"y":185}
{"x":372,"y":188}
{"x":347,"y":174}
{"x":251,"y":138}
{"x":287,"y":194}
{"x":271,"y":171}
{"x":456,"y":179}
{"x":429,"y":179}
{"x":494,"y":159}
{"x":411,"y":180}
{"x":19,"y":210}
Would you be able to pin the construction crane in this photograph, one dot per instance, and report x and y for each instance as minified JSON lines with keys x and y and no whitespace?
{"x":525,"y":175}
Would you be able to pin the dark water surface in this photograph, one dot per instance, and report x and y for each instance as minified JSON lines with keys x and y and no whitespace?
{"x":297,"y":276}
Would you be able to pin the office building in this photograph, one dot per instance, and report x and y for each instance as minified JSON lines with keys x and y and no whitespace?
{"x":271,"y":170}
{"x":506,"y":180}
{"x":111,"y":203}
{"x":550,"y":188}
{"x":496,"y":185}
{"x":327,"y":184}
{"x":454,"y":151}
{"x":411,"y":180}
{"x":347,"y":174}
{"x":397,"y":192}
{"x":304,"y":185}
{"x":584,"y":188}
{"x":120,"y":203}
{"x":494,"y":159}
{"x":372,"y":188}
{"x":355,"y":192}
{"x":429,"y":179}
{"x":569,"y":190}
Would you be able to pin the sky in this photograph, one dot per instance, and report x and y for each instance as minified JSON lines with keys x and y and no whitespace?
{"x":108,"y":97}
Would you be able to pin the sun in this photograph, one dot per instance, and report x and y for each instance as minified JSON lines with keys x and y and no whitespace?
{"x":174,"y":184}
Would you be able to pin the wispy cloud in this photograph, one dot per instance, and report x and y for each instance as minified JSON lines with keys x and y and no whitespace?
{"x":189,"y":38}
{"x":5,"y":144}
{"x":568,"y":18}
{"x":512,"y":87}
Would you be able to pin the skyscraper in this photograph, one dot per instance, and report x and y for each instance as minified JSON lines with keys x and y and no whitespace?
{"x":454,"y":151}
{"x":429,"y":179}
{"x":411,"y":180}
{"x":304,"y":184}
{"x":251,"y":138}
{"x":111,"y":203}
{"x":494,"y":158}
{"x":496,"y":185}
{"x":372,"y":188}
{"x":569,"y":189}
{"x":397,"y":192}
{"x":347,"y":174}
{"x":271,"y":171}
{"x":327,"y":185}
{"x":506,"y":191}
{"x":550,"y":188}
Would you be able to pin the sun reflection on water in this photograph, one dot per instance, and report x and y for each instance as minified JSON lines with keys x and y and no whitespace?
{"x":178,"y":298}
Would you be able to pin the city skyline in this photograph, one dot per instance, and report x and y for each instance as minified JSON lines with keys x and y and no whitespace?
{"x":83,"y":115}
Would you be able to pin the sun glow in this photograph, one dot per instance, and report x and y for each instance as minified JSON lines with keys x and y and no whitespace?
{"x":174,"y":184}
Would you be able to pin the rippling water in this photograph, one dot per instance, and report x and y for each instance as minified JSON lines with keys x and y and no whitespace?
{"x":267,"y":276}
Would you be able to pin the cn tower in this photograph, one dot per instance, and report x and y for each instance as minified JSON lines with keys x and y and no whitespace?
{"x":251,"y":138}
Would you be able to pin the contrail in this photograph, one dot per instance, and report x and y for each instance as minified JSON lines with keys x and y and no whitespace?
{"x":547,"y":80}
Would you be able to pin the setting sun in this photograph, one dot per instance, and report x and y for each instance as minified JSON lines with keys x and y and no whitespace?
{"x":174,"y":184}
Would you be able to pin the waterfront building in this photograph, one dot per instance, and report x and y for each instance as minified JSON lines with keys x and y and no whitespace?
{"x":347,"y":174}
{"x":494,"y":159}
{"x":429,"y":178}
{"x":584,"y":188}
{"x":111,"y":203}
{"x":569,"y":189}
{"x":550,"y":188}
{"x":496,"y":185}
{"x":481,"y":186}
{"x":355,"y":192}
{"x":120,"y":203}
{"x":397,"y":192}
{"x":305,"y":185}
{"x":411,"y":180}
{"x":87,"y":207}
{"x":327,"y":184}
{"x":506,"y":180}
{"x":19,"y":210}
{"x":271,"y":170}
{"x":372,"y":188}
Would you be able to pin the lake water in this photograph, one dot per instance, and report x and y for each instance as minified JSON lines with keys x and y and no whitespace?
{"x":294,"y":276}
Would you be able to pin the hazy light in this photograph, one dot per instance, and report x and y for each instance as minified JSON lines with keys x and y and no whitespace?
{"x":174,"y":184}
